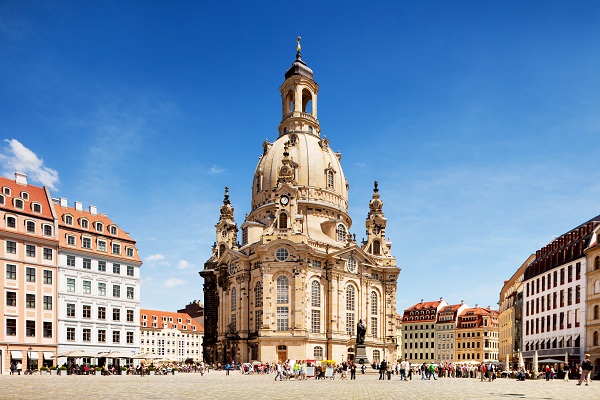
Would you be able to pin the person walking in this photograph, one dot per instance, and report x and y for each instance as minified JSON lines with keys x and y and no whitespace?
{"x":227,"y":368}
{"x":279,"y":372}
{"x":19,"y":367}
{"x":586,"y":370}
{"x":382,"y":369}
{"x":566,"y":372}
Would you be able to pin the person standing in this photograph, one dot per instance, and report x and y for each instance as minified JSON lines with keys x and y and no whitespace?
{"x":382,"y":370}
{"x":19,"y":367}
{"x":227,"y":368}
{"x":586,"y":370}
{"x":566,"y":372}
{"x":352,"y":371}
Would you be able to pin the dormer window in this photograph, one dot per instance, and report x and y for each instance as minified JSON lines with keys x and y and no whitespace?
{"x":2,"y":201}
{"x":340,"y":233}
{"x":6,"y":190}
{"x":99,"y":226}
{"x":84,"y":223}
{"x":113,"y":230}
{"x":36,"y":207}
{"x":129,"y":251}
{"x":25,"y":195}
{"x":68,"y":220}
{"x":18,"y":203}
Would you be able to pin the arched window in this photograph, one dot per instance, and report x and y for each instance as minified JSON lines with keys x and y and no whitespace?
{"x":376,"y":247}
{"x":283,"y":221}
{"x":318,"y":353}
{"x":341,"y":233}
{"x":376,"y":356}
{"x":258,"y":294}
{"x":374,"y":304}
{"x":329,"y":179}
{"x":315,"y":294}
{"x":350,"y":298}
{"x":283,"y":290}
{"x":306,"y":101}
{"x":221,"y":249}
{"x":233,"y":299}
{"x":68,"y":220}
{"x":596,"y":312}
{"x":595,"y":338}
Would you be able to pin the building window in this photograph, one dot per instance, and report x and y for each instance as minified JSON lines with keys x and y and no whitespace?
{"x":129,"y":270}
{"x":71,"y":285}
{"x":376,"y":247}
{"x":283,"y":289}
{"x":130,"y":292}
{"x":47,"y":328}
{"x":101,"y":336}
{"x":350,"y":298}
{"x":374,"y":325}
{"x":116,"y":337}
{"x":374,"y":304}
{"x":101,"y":289}
{"x":11,"y":327}
{"x":116,"y":289}
{"x":84,"y":223}
{"x":102,"y":266}
{"x":2,"y":201}
{"x":102,"y":313}
{"x":87,"y":311}
{"x":47,"y":278}
{"x":377,"y":356}
{"x":318,"y":353}
{"x":18,"y":203}
{"x":283,"y":221}
{"x":47,"y":253}
{"x":315,"y":322}
{"x":30,"y":250}
{"x":330,"y":179}
{"x":116,"y":314}
{"x":233,"y":323}
{"x":30,"y":226}
{"x":11,"y":271}
{"x":47,"y":230}
{"x":101,"y":245}
{"x":340,"y":233}
{"x":129,"y":315}
{"x":6,"y":190}
{"x":233,"y":299}
{"x":87,"y":287}
{"x":30,"y":328}
{"x":282,"y":318}
{"x":30,"y":300}
{"x":87,"y":263}
{"x":86,"y":243}
{"x":11,"y":299}
{"x":258,"y":319}
{"x":11,"y":222}
{"x":37,"y":208}
{"x":315,"y":294}
{"x":68,"y":220}
{"x":99,"y":226}
{"x":258,"y":294}
{"x":71,"y":240}
{"x":129,"y":251}
{"x":116,"y":248}
{"x":11,"y":247}
{"x":47,"y":302}
{"x":71,"y":310}
{"x":129,"y":337}
{"x":117,"y":269}
{"x":282,"y":254}
{"x":87,"y":335}
{"x":71,"y":334}
{"x":29,"y":274}
{"x":70,"y":261}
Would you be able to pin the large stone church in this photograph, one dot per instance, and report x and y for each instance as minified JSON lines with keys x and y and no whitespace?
{"x":298,"y":283}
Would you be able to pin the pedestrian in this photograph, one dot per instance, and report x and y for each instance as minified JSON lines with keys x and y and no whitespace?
{"x":352,"y":371}
{"x":279,"y":372}
{"x":586,"y":370}
{"x":227,"y":368}
{"x":566,"y":372}
{"x":382,"y":370}
{"x":19,"y":367}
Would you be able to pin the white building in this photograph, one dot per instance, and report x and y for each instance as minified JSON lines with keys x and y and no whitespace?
{"x":98,"y":283}
{"x":173,"y":335}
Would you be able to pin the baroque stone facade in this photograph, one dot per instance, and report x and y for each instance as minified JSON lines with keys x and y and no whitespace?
{"x":298,"y":283}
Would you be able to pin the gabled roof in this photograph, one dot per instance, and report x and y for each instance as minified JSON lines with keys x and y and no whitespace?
{"x":77,"y":215}
{"x":36,"y":194}
{"x":172,"y":318}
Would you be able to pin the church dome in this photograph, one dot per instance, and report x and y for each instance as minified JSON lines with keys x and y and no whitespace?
{"x":317,"y":171}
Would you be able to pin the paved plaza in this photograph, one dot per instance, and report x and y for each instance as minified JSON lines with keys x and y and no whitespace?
{"x":215,"y":385}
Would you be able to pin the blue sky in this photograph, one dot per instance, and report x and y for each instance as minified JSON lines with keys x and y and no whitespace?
{"x":478,"y":119}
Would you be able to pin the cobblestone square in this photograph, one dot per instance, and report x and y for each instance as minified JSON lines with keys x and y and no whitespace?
{"x":216,"y":385}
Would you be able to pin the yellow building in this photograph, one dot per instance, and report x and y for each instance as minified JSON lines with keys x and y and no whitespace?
{"x":593,"y":300}
{"x":477,"y":335}
{"x":298,"y":283}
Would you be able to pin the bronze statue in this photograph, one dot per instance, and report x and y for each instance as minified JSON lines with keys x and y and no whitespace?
{"x":361,"y":331}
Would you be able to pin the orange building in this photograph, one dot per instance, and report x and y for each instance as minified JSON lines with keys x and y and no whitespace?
{"x":28,"y":258}
{"x":477,"y":335}
{"x":175,"y":336}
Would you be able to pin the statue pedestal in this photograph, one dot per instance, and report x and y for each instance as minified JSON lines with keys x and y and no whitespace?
{"x":360,"y":356}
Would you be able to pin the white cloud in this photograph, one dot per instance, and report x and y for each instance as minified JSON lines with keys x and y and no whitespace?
{"x":360,"y":165}
{"x":155,"y":257}
{"x":18,"y":158}
{"x":155,"y":260}
{"x":172,"y":282}
{"x":183,"y":264}
{"x":216,"y":170}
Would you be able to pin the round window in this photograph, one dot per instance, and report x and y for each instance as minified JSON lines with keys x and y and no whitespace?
{"x":351,"y":265}
{"x":282,"y":254}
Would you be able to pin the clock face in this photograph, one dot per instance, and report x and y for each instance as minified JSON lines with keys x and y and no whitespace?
{"x":284,"y":200}
{"x":231,"y":269}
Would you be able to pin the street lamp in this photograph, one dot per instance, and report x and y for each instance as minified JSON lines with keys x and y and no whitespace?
{"x":29,"y":358}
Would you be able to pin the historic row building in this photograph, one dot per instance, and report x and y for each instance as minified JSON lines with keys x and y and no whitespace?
{"x":174,"y":336}
{"x":70,"y":278}
{"x":477,"y":335}
{"x":298,"y":282}
{"x":419,"y":329}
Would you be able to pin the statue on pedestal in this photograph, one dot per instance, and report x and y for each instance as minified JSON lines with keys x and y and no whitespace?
{"x":361,"y":331}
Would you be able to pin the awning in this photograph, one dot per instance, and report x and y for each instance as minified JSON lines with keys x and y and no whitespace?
{"x":16,"y":354}
{"x":48,"y":355}
{"x":33,"y":355}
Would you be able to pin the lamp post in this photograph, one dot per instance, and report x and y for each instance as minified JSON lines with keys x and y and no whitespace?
{"x":29,"y":358}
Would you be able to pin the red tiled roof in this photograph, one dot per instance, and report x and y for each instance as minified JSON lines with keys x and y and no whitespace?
{"x":172,"y":318}
{"x":36,"y":194}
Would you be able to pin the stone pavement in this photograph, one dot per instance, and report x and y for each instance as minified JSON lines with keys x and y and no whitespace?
{"x":215,"y":385}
